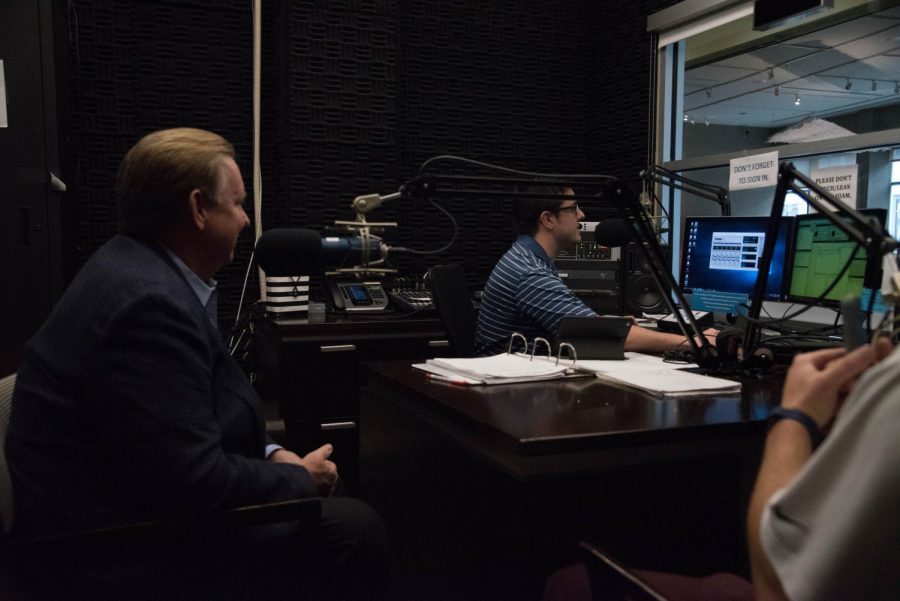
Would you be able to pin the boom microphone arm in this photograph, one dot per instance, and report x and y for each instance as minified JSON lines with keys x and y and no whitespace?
{"x":867,"y":232}
{"x":661,"y":175}
{"x":640,"y":224}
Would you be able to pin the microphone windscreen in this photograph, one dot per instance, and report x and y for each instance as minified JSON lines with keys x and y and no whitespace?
{"x":613,"y":232}
{"x":289,"y":251}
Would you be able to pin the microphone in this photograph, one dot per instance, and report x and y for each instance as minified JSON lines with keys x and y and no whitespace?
{"x":613,"y":232}
{"x":293,"y":251}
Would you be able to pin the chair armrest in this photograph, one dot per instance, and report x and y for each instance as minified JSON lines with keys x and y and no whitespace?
{"x":305,"y":511}
{"x":614,"y":579}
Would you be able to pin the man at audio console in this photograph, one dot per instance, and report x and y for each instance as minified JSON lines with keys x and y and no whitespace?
{"x":524,"y":292}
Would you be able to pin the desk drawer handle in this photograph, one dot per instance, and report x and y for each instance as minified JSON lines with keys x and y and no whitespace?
{"x":437,"y":343}
{"x":337,"y":348}
{"x":338,"y":426}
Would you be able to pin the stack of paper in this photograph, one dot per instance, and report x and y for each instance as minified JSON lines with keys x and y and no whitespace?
{"x":653,"y":375}
{"x":671,"y":382}
{"x":646,"y":373}
{"x":499,"y":369}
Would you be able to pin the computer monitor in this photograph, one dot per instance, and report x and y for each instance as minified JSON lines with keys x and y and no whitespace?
{"x":820,"y":252}
{"x":719,"y":261}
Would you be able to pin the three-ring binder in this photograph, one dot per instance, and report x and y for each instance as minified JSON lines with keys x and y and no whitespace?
{"x":562,"y":345}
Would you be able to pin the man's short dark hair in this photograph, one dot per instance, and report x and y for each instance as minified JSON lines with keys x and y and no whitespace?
{"x":528,"y":210}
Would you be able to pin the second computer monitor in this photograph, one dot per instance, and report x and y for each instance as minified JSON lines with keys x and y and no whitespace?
{"x":819,"y":261}
{"x":719,"y":261}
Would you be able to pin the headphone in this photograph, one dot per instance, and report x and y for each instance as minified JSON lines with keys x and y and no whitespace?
{"x":729,"y":343}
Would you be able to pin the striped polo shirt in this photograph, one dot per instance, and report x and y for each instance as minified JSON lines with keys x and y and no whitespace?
{"x":524,"y":294}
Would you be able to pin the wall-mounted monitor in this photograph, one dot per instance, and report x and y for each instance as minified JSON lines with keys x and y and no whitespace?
{"x":719,"y":261}
{"x":768,"y":14}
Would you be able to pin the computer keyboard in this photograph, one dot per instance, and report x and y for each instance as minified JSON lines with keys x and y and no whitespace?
{"x":784,"y":348}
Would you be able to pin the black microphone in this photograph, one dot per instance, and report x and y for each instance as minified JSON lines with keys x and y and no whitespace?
{"x":613,"y":232}
{"x":290,"y":251}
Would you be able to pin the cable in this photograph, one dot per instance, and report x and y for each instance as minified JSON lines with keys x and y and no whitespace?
{"x":452,"y":241}
{"x":237,"y":317}
{"x":459,"y":159}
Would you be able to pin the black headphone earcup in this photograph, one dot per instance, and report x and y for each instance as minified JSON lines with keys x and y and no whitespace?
{"x":729,"y":342}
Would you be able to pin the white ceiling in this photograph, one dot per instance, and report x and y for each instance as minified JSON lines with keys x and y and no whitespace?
{"x":816,"y":67}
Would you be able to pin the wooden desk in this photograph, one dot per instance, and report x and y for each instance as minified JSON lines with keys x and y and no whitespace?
{"x":548,"y":429}
{"x":308,"y":374}
{"x":541,"y":463}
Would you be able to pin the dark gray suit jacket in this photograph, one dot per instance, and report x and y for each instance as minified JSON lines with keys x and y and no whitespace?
{"x":128,"y":406}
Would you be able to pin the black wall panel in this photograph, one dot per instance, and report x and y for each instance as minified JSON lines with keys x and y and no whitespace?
{"x":357,"y":94}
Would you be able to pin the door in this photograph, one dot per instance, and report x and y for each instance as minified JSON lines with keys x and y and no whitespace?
{"x":31,"y":275}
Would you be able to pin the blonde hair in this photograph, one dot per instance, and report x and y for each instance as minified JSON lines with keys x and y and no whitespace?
{"x":159,"y":173}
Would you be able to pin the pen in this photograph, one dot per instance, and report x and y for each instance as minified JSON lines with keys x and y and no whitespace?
{"x":447,"y":379}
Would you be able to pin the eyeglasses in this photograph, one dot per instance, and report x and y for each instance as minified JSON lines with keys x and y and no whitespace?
{"x":572,"y":207}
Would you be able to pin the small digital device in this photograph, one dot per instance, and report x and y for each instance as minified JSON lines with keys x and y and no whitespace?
{"x":720,"y":256}
{"x":854,"y":334}
{"x":595,"y":337}
{"x":820,"y":252}
{"x":356,"y":296}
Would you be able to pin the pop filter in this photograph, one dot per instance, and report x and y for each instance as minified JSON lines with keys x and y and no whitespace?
{"x":613,"y":232}
{"x":289,"y":251}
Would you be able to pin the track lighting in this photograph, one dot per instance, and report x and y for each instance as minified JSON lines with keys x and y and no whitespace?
{"x":874,"y":85}
{"x":708,"y":93}
{"x":771,"y":73}
{"x":848,"y":85}
{"x":796,"y":99}
{"x":777,"y":90}
{"x":685,"y":117}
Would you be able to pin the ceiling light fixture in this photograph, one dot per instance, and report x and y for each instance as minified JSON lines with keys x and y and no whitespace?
{"x":797,"y":99}
{"x":708,"y":93}
{"x":874,"y":85}
{"x":771,"y":73}
{"x":685,"y":117}
{"x":776,"y":90}
{"x":848,"y":85}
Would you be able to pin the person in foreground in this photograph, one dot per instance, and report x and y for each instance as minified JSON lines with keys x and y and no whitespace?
{"x":823,"y":520}
{"x":128,"y":408}
{"x":525,"y":294}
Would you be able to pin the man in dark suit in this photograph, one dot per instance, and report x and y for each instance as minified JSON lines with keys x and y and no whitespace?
{"x":128,"y":407}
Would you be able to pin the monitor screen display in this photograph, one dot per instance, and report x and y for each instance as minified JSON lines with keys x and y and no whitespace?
{"x":821,"y":250}
{"x":719,"y":261}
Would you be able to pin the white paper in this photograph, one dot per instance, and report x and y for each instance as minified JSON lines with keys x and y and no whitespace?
{"x":667,"y":382}
{"x":632,"y":362}
{"x":757,"y":171}
{"x":841,"y":182}
{"x":501,"y":367}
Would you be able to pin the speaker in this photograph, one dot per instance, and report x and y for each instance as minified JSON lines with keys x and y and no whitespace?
{"x":640,"y":294}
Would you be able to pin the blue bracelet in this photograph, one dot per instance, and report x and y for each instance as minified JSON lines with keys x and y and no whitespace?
{"x":815,"y":433}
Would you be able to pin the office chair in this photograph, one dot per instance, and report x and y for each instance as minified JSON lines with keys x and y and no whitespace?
{"x":611,"y":580}
{"x":307,"y":512}
{"x":453,"y":303}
